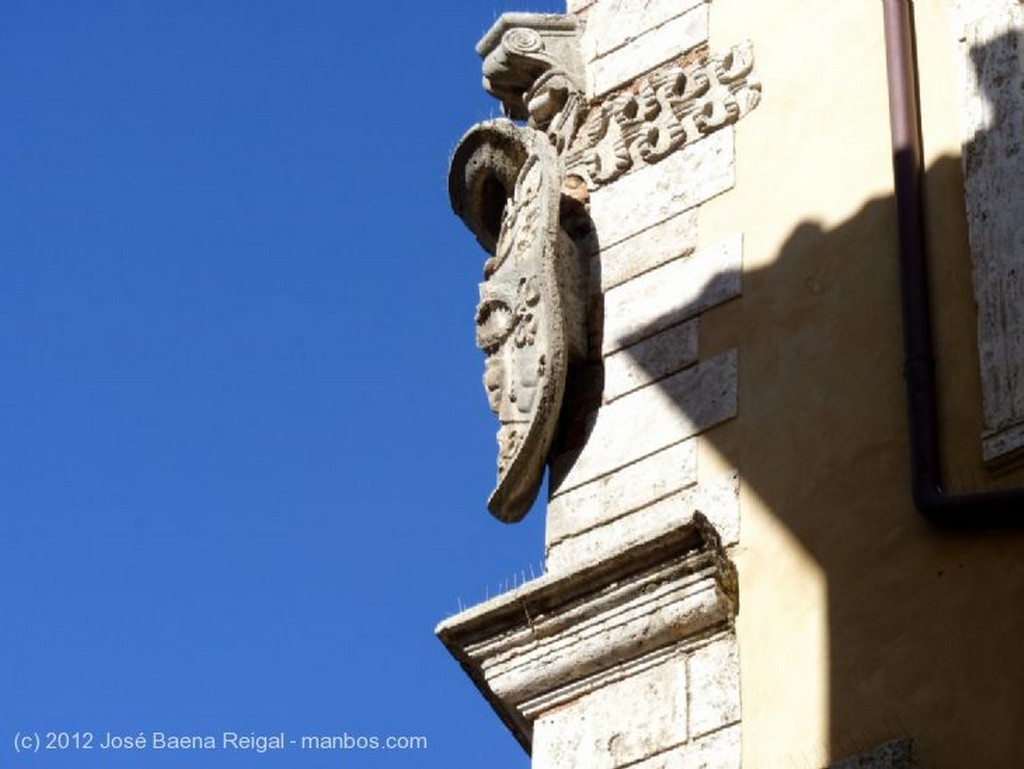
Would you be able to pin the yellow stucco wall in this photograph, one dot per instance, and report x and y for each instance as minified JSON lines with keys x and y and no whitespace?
{"x":859,"y":621}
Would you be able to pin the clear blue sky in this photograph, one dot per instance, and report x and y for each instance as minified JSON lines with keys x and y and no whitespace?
{"x":244,"y":448}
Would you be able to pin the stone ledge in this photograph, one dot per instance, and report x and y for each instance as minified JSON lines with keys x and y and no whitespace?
{"x":559,"y":630}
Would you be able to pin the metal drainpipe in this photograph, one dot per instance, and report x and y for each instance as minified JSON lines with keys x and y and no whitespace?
{"x":973,"y":510}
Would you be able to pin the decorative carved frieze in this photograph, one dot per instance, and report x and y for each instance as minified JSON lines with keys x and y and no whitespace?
{"x":560,"y":636}
{"x":661,"y":113}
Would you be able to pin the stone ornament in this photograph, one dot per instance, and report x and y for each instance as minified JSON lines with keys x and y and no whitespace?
{"x":505,"y":183}
{"x":532,"y":65}
{"x":663,"y":112}
{"x":520,"y":188}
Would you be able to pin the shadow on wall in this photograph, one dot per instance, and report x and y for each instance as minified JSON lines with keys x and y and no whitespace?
{"x":924,"y":625}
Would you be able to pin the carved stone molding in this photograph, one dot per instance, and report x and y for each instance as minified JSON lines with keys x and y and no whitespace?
{"x":505,"y":183}
{"x":558,"y":637}
{"x":661,"y":113}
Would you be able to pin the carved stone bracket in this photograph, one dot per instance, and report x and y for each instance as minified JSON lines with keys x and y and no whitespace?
{"x":661,"y":113}
{"x":558,"y":637}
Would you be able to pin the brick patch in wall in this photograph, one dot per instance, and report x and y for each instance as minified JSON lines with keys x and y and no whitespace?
{"x":897,"y":754}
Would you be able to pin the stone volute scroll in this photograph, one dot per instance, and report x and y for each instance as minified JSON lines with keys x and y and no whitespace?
{"x":532,"y":65}
{"x":505,"y":182}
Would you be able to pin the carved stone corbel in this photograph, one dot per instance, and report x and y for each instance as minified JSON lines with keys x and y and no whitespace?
{"x":505,"y":183}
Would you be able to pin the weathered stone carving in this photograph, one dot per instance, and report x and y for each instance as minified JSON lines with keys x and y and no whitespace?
{"x":506,"y":183}
{"x":663,"y":112}
{"x":559,"y":637}
{"x":510,"y":185}
{"x":533,"y":66}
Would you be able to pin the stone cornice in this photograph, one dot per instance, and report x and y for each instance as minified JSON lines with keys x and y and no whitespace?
{"x":559,"y":636}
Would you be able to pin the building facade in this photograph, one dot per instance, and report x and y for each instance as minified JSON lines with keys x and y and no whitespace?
{"x":771,"y":439}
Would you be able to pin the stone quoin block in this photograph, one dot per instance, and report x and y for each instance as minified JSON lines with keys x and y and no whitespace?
{"x":645,"y":421}
{"x":720,"y":750}
{"x":597,"y":732}
{"x":646,"y":250}
{"x":655,"y":357}
{"x":717,"y":502}
{"x":668,"y":41}
{"x":632,"y":487}
{"x":671,"y":293}
{"x":714,"y":686}
{"x":652,"y":194}
{"x":614,"y":23}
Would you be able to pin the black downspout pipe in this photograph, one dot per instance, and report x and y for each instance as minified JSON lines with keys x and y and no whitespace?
{"x":973,"y":510}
